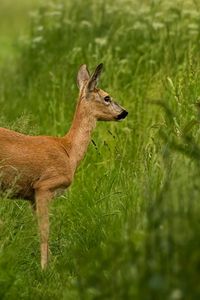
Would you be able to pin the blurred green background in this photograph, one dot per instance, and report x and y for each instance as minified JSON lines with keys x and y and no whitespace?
{"x":128,"y":227}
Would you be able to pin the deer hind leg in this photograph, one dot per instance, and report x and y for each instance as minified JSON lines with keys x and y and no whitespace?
{"x":42,"y":198}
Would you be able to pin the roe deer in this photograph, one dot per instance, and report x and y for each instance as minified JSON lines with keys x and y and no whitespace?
{"x":40,"y":166}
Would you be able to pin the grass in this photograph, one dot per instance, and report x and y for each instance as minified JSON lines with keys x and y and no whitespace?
{"x":128,"y":227}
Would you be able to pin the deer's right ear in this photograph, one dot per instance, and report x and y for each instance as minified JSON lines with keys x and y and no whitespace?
{"x":83,"y":76}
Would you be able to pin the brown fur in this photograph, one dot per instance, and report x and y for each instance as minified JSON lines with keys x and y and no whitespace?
{"x":37,"y":167}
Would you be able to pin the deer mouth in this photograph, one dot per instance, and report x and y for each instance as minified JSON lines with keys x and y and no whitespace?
{"x":122,"y":115}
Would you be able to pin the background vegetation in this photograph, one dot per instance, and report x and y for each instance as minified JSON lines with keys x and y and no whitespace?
{"x":128,"y":228}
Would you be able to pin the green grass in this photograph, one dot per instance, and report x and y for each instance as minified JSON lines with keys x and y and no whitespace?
{"x":128,"y":227}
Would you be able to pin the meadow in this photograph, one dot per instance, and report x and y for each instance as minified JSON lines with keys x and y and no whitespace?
{"x":129,"y":226}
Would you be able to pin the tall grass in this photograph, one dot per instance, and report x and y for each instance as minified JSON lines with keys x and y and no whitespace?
{"x":128,"y":228}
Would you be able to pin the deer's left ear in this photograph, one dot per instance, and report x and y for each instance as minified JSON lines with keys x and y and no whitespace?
{"x":94,"y":78}
{"x":83,"y":76}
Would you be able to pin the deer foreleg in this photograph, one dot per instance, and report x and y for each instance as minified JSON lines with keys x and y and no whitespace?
{"x":42,"y":198}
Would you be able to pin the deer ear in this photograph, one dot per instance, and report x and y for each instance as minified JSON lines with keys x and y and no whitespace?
{"x":94,"y":78}
{"x":83,"y":76}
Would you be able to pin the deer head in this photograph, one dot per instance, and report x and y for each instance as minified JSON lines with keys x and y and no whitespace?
{"x":94,"y":100}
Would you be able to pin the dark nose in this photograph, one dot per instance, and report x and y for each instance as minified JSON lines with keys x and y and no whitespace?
{"x":123,"y":115}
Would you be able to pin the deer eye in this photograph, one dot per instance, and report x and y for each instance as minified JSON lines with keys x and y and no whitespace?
{"x":107,"y":99}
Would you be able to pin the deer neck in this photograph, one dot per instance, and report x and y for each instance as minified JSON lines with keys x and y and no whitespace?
{"x":79,"y":135}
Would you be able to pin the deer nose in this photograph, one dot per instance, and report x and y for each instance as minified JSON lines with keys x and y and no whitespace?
{"x":122,"y":115}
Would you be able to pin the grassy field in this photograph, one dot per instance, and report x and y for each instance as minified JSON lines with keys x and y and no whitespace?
{"x":129,"y":226}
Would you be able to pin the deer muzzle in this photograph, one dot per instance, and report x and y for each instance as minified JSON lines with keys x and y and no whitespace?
{"x":122,"y":115}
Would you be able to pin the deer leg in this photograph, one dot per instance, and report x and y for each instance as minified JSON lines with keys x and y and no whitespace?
{"x":42,"y":198}
{"x":33,"y":205}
